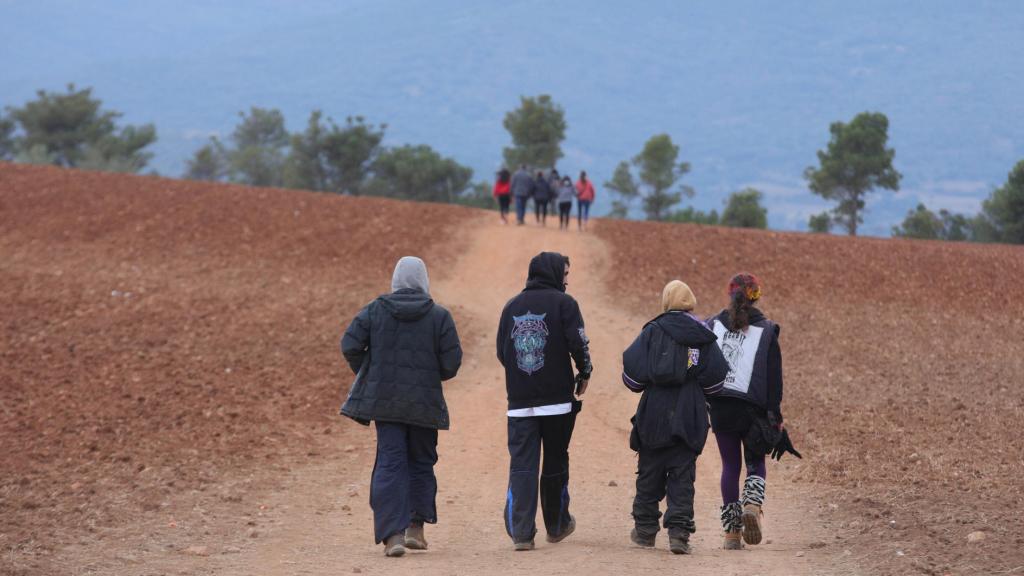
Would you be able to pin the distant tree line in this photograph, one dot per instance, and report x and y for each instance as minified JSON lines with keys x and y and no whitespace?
{"x":1001,"y":218}
{"x":346,"y":158}
{"x":71,"y":128}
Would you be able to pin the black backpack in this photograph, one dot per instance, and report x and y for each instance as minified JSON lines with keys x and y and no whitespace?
{"x":666,"y":358}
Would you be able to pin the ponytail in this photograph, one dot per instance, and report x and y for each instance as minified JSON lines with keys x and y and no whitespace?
{"x":744,"y":290}
{"x":739,"y":312}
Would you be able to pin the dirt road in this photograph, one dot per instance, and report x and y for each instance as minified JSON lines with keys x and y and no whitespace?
{"x":320,"y":522}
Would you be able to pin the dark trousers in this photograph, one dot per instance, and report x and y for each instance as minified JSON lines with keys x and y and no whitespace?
{"x":564,"y":213}
{"x":526,"y":436}
{"x":540,"y":208}
{"x":664,"y":471}
{"x":503,"y":204}
{"x":403,"y":488}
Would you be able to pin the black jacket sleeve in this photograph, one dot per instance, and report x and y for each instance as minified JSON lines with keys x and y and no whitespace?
{"x":775,"y":376}
{"x":356,"y":341}
{"x":575,"y":336}
{"x":635,"y":373}
{"x":502,"y":335}
{"x":449,"y":348}
{"x":710,"y":368}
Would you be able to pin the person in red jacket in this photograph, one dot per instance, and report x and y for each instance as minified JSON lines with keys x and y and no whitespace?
{"x":502,"y":192}
{"x":585,"y":196}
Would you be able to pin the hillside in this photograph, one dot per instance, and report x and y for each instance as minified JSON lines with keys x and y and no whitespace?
{"x":747,"y":91}
{"x":164,"y":338}
{"x":169,"y":378}
{"x":903,"y":371}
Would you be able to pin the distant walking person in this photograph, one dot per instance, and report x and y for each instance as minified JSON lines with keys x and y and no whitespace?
{"x":566,"y":192}
{"x":674,"y":362}
{"x":401,"y":346}
{"x":746,"y":415}
{"x":540,"y":330}
{"x":542,"y":195}
{"x":503,"y":192}
{"x":554,"y":182}
{"x":522,"y":190}
{"x":585,"y":195}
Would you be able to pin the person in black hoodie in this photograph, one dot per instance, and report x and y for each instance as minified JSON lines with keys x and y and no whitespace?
{"x":747,"y":409}
{"x":675,"y":363}
{"x":401,"y":346}
{"x":539,"y":331}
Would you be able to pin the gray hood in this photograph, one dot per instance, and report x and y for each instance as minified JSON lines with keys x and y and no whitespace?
{"x":410,"y":273}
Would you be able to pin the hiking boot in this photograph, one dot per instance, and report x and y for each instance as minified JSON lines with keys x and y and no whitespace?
{"x":752,"y":523}
{"x":394,"y":546}
{"x":679,"y":545}
{"x":642,"y":541}
{"x":753,"y":499}
{"x":414,"y":538}
{"x":523,"y":546}
{"x":732,"y":541}
{"x":565,"y":533}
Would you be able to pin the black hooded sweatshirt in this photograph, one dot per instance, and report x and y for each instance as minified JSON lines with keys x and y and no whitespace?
{"x":401,"y":346}
{"x":675,"y":362}
{"x":539,"y":330}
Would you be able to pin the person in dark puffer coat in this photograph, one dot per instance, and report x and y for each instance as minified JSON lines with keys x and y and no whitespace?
{"x":401,"y":347}
{"x":675,"y":363}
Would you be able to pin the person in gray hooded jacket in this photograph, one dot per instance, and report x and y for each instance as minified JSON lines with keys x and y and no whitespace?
{"x":401,"y":347}
{"x":522,"y":187}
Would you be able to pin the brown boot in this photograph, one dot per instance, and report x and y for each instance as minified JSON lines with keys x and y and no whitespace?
{"x":752,"y":523}
{"x":414,"y":538}
{"x":732,"y":541}
{"x":753,"y":499}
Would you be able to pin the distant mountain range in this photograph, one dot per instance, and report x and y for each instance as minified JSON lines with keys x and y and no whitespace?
{"x":747,"y":88}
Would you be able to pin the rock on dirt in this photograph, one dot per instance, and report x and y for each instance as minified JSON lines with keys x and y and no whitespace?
{"x":197,"y":550}
{"x":976,"y":536}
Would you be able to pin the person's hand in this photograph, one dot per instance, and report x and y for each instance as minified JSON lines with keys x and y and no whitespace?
{"x":581,"y":383}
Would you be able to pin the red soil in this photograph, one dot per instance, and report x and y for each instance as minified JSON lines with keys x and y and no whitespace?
{"x":904,"y":366}
{"x":162,"y":337}
{"x":163,"y":341}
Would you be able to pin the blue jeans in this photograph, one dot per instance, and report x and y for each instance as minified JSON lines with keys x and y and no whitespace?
{"x":584,"y":213}
{"x":521,"y":208}
{"x":403,"y":488}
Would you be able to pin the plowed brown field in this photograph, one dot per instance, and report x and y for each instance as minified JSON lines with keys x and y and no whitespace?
{"x":904,"y":374}
{"x":170,"y":376}
{"x":163,"y":337}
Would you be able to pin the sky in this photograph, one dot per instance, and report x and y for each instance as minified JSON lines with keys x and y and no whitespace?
{"x":747,"y":89}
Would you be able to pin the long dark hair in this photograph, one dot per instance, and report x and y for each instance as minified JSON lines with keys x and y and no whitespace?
{"x":744,"y":290}
{"x":504,"y":175}
{"x":739,"y":312}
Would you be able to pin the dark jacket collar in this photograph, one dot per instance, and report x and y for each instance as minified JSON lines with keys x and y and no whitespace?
{"x":407,"y":304}
{"x":755,"y":316}
{"x":684,"y":328}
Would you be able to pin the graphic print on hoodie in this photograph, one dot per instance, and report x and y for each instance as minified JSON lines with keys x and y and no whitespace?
{"x":540,"y":335}
{"x":529,"y":336}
